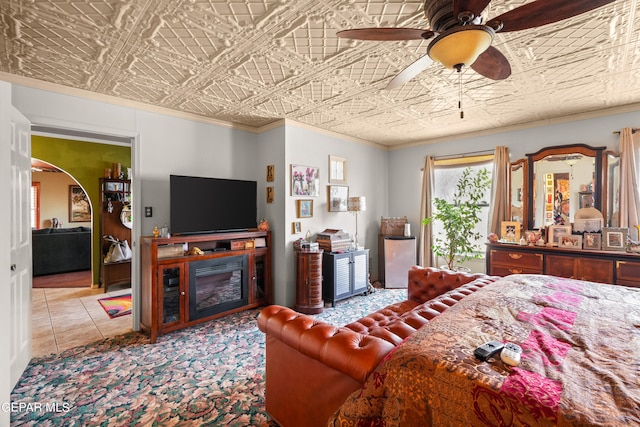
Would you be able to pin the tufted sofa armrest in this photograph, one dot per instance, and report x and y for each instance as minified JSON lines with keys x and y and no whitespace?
{"x":342,"y":349}
{"x":426,"y":283}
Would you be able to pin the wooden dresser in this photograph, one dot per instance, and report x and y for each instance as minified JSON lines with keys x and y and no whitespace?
{"x":618,"y":268}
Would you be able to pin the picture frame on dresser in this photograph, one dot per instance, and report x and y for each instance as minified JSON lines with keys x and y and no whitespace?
{"x":555,"y":231}
{"x":592,"y":241}
{"x":614,"y":238}
{"x":510,"y":231}
{"x":570,"y":241}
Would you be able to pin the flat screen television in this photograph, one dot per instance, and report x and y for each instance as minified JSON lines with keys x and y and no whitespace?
{"x":209,"y":205}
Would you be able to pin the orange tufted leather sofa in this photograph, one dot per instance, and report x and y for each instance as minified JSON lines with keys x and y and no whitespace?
{"x":312,"y":366}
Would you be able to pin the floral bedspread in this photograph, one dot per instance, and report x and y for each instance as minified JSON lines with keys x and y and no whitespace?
{"x":580,"y":363}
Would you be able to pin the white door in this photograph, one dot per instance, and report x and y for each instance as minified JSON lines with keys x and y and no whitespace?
{"x":20,"y":246}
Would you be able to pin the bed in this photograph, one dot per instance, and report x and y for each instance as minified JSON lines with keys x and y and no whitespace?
{"x":580,"y":362}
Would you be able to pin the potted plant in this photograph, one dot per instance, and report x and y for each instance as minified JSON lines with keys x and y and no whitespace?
{"x":459,"y":218}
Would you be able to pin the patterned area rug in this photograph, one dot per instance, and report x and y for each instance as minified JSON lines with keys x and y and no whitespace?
{"x":116,"y":306}
{"x":207,"y":375}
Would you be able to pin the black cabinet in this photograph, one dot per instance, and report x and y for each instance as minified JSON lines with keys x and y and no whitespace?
{"x":344,"y":274}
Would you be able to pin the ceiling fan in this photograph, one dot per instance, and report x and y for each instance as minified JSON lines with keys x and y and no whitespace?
{"x":462,"y":40}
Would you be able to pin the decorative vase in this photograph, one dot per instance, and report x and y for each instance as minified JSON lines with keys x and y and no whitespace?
{"x":263,"y":225}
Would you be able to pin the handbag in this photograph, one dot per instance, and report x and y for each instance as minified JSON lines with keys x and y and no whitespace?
{"x":118,"y":251}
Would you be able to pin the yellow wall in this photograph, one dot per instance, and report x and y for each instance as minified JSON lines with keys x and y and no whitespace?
{"x":85,"y":162}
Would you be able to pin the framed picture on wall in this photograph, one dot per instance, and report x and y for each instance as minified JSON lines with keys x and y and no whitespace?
{"x":305,"y":208}
{"x":305,"y":180}
{"x":79,"y":206}
{"x":337,"y":170}
{"x":338,"y":195}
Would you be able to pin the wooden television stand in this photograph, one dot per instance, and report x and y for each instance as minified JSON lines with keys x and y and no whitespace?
{"x":234,"y":271}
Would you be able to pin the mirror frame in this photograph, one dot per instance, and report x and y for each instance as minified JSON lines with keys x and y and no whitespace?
{"x":596,"y":152}
{"x":522,"y":163}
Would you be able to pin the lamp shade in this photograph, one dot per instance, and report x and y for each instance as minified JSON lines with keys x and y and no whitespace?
{"x":460,"y":46}
{"x":357,"y":204}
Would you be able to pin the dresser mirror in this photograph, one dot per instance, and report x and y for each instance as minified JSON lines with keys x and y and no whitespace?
{"x":561,"y":180}
{"x":518,"y":194}
{"x":611,"y":189}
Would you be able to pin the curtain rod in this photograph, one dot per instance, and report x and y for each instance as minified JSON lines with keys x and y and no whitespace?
{"x":461,"y":155}
{"x":633,"y":130}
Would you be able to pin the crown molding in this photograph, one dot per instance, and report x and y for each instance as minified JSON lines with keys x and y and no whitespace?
{"x":629,"y":108}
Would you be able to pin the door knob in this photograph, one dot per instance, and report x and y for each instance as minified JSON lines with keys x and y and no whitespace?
{"x":14,"y":267}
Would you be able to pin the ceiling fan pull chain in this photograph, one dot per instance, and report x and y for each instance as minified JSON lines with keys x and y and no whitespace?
{"x":460,"y":94}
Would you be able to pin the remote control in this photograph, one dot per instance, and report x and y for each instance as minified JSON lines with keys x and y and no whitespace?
{"x":487,"y":350}
{"x":510,"y":354}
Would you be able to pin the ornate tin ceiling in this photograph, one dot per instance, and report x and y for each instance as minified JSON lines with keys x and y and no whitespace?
{"x":254,"y":62}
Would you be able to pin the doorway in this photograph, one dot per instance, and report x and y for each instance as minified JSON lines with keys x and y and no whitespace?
{"x":74,"y":315}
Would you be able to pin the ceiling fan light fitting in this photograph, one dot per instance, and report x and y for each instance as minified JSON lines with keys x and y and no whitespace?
{"x":460,"y":46}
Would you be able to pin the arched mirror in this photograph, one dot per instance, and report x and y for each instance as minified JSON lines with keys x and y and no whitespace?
{"x":518,"y":194}
{"x":562,"y":180}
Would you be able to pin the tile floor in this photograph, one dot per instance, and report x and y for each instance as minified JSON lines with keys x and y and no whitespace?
{"x":63,"y":318}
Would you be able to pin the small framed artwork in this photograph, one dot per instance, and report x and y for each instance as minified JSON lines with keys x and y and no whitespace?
{"x":555,"y":231}
{"x":305,"y":208}
{"x":270,"y":194}
{"x":570,"y":241}
{"x":305,"y":181}
{"x":296,"y":227}
{"x":592,"y":241}
{"x":270,"y":173}
{"x":614,"y":238}
{"x":510,"y":231}
{"x":337,"y":170}
{"x":79,"y":206}
{"x":338,"y":195}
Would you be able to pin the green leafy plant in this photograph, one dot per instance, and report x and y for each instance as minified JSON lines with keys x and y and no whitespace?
{"x":460,"y":217}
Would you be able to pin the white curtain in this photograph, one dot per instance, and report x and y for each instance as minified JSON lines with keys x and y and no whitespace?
{"x":425,"y":254}
{"x":499,"y":209}
{"x":629,"y":194}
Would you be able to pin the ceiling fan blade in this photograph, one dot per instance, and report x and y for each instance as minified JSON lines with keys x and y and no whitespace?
{"x":474,"y":6}
{"x":542,"y":12}
{"x":492,"y":64}
{"x":386,"y":34}
{"x":410,"y":72}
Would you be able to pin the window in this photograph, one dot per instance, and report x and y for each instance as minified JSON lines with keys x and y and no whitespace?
{"x":35,"y":205}
{"x":446,"y":176}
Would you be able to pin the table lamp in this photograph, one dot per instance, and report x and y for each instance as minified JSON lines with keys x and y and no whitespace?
{"x":357,"y":204}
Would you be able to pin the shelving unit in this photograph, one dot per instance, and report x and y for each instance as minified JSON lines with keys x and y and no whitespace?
{"x":167,"y":270}
{"x":115,"y":198}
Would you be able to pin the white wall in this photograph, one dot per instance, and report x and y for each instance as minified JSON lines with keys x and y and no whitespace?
{"x":405,"y":164}
{"x":366,"y":176}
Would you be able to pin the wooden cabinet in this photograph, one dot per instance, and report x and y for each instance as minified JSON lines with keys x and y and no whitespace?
{"x":115,"y":198}
{"x":178,"y":290}
{"x":309,"y":282}
{"x":344,"y":274}
{"x":618,"y":268}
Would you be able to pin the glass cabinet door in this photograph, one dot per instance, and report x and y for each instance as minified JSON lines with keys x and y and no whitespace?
{"x":171,"y":292}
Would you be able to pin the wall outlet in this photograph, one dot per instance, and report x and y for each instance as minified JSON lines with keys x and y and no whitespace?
{"x":148,"y":211}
